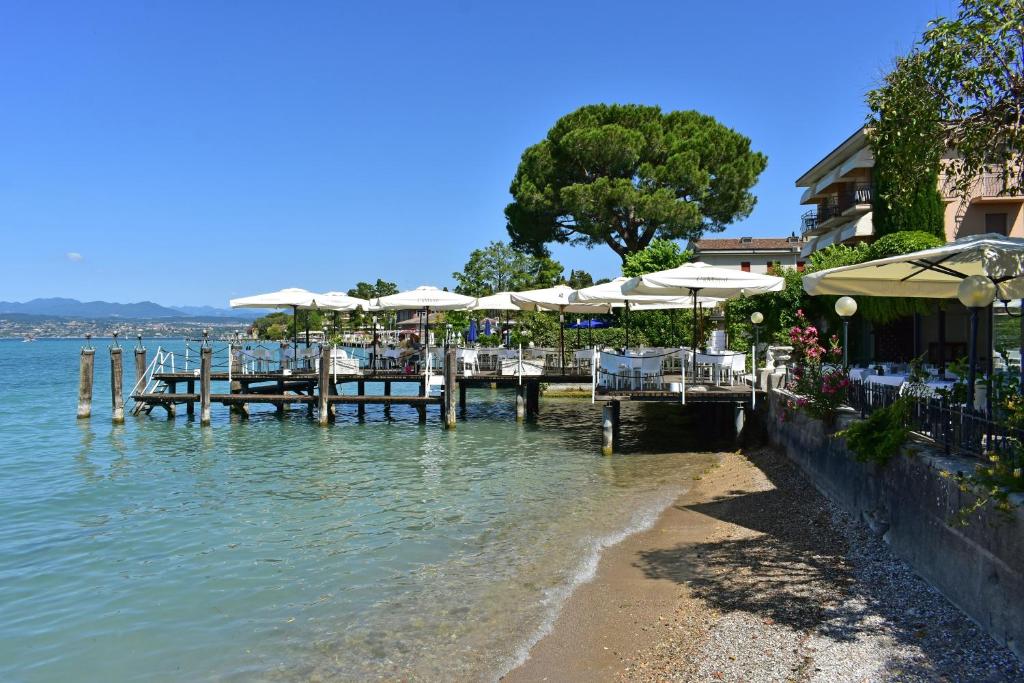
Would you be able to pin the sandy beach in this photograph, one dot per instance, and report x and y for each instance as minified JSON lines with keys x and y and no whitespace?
{"x":753,"y":576}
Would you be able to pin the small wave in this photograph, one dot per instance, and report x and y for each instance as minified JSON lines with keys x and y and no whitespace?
{"x":555,"y":598}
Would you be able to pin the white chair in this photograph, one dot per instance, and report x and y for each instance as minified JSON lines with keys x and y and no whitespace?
{"x":652,"y":372}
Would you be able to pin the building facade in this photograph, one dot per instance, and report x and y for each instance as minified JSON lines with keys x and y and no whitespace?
{"x":840,"y":191}
{"x":752,"y":254}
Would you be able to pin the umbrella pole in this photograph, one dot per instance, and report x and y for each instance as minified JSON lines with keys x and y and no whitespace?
{"x":627,"y":327}
{"x":561,"y":340}
{"x":694,"y":340}
{"x":306,"y":320}
{"x":295,"y":326}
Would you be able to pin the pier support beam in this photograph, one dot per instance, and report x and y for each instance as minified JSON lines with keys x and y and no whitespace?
{"x":86,"y":367}
{"x":450,"y":381}
{"x":422,"y":410}
{"x":387,"y":392}
{"x":116,"y":384}
{"x":361,"y":407}
{"x":532,"y":399}
{"x":140,"y":372}
{"x":236,"y":364}
{"x":609,"y":426}
{"x":520,"y":402}
{"x":323,"y":386}
{"x":462,"y":396}
{"x":739,"y":418}
{"x":205,"y":367}
{"x":190,"y":405}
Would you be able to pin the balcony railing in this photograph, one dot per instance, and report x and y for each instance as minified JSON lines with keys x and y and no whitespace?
{"x":850,"y":196}
{"x":987,"y":185}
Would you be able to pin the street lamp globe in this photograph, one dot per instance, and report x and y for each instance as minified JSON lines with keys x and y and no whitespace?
{"x":846,"y":306}
{"x":976,"y":291}
{"x":756,"y":317}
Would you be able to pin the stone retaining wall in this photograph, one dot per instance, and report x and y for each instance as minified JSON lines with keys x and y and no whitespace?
{"x":979,"y":568}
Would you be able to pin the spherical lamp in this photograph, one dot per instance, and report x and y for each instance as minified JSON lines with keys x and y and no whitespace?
{"x":756,"y":317}
{"x":846,"y":306}
{"x":976,"y":291}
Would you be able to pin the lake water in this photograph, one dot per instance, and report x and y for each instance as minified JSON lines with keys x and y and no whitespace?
{"x":274,"y":549}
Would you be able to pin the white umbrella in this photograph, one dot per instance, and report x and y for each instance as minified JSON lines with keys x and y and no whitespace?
{"x":931,"y":273}
{"x":701,"y":279}
{"x":339,"y":302}
{"x":557,"y":298}
{"x":425,"y":298}
{"x":614,"y":293}
{"x":502,"y":301}
{"x":293,"y":298}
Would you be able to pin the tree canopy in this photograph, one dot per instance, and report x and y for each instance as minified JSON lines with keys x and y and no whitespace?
{"x":906,"y":141}
{"x":623,"y":175}
{"x":499,"y":267}
{"x":659,"y":255}
{"x":365,"y":290}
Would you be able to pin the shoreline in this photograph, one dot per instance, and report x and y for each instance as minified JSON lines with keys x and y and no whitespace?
{"x":752,"y":575}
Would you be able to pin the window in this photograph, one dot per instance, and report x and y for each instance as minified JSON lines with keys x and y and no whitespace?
{"x":995,"y":222}
{"x":799,"y":266}
{"x":745,"y":266}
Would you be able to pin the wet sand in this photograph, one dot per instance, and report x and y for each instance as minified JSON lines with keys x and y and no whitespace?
{"x":753,"y":575}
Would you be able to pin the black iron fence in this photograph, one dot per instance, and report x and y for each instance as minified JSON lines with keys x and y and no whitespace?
{"x":948,"y":423}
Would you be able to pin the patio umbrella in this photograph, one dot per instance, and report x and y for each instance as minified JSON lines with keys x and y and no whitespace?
{"x":614,"y":293}
{"x":471,"y":334}
{"x":502,"y":301}
{"x":555,"y":298}
{"x":487,"y":327}
{"x":698,"y":279}
{"x":425,"y":298}
{"x":293,"y":298}
{"x":931,"y":273}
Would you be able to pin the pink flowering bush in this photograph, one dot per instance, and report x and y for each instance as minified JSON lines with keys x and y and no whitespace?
{"x":817,"y":379}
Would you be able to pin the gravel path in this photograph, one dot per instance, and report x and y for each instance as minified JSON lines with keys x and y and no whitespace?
{"x":796,"y":590}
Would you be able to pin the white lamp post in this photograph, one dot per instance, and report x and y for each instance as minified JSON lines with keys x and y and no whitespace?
{"x":975,"y":292}
{"x":846,"y":306}
{"x":756,"y":318}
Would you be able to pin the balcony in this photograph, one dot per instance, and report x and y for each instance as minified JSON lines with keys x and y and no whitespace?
{"x":852,"y":200}
{"x":988,"y":187}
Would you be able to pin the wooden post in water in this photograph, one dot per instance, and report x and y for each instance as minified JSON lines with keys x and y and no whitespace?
{"x":361,"y":407}
{"x":85,"y":375}
{"x":450,"y":382}
{"x":323,"y":385}
{"x":235,"y":366}
{"x":140,"y":365}
{"x":190,"y":405}
{"x":387,"y":392}
{"x":532,"y":399}
{"x":462,"y":396}
{"x":205,"y":367}
{"x":116,"y":383}
{"x":520,"y":402}
{"x":607,"y":428}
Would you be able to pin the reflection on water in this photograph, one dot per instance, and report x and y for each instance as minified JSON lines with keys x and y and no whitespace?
{"x":273,"y":548}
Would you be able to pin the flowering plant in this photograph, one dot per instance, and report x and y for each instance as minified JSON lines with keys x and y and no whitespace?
{"x":818,"y":381}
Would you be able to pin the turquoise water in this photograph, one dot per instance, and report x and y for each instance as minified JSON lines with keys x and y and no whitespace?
{"x":274,"y":549}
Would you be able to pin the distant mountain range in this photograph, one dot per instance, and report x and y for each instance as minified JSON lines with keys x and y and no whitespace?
{"x":73,"y":308}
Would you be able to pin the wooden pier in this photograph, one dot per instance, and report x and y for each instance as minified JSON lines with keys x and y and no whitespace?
{"x":320,"y":390}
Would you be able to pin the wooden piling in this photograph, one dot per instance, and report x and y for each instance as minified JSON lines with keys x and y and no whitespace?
{"x":116,"y":384}
{"x":532,"y":399}
{"x":361,"y":390}
{"x":190,"y":405}
{"x":422,"y":410}
{"x":608,"y":427}
{"x":235,"y":387}
{"x":86,"y":367}
{"x":140,"y":366}
{"x":520,"y":402}
{"x":450,"y":382}
{"x":205,"y":367}
{"x":462,"y":396}
{"x":324,"y":386}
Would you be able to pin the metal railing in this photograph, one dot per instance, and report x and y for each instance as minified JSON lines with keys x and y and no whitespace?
{"x":947,"y":423}
{"x":985,"y":185}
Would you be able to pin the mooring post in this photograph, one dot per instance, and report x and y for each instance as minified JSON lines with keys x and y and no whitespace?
{"x":235,"y":367}
{"x":520,"y":402}
{"x":86,"y":367}
{"x":190,"y":405}
{"x":450,"y":382}
{"x":140,"y":364}
{"x":421,"y":408}
{"x":116,"y":383}
{"x":607,"y":428}
{"x":323,"y":385}
{"x":205,"y":366}
{"x":361,"y":407}
{"x":532,"y":399}
{"x":387,"y":392}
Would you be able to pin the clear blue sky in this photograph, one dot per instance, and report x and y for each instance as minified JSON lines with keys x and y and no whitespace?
{"x":187,"y":152}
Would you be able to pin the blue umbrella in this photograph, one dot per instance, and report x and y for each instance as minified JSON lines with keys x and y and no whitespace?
{"x":487,"y":327}
{"x":471,"y":335}
{"x":591,"y":324}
